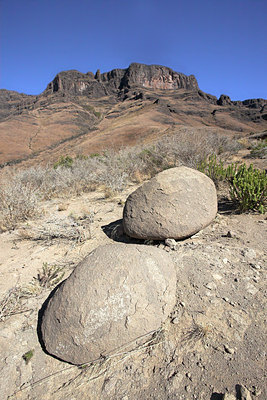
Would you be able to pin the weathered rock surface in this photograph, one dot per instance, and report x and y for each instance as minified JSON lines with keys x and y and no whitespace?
{"x":115,"y":295}
{"x":176,"y":203}
{"x":149,"y":76}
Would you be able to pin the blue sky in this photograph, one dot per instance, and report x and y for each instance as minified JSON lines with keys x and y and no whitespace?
{"x":221,"y":42}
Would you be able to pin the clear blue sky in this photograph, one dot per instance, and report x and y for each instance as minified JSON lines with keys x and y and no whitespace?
{"x":222,"y":42}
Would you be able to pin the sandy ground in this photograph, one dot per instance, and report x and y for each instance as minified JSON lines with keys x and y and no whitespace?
{"x":214,"y":340}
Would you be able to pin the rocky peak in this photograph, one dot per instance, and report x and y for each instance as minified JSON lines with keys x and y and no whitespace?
{"x":157,"y":77}
{"x":224,"y":100}
{"x":148,"y":76}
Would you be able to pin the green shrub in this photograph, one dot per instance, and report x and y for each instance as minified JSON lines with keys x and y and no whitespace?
{"x":64,"y":161}
{"x":28,"y":356}
{"x":248,"y":188}
{"x":215,"y":169}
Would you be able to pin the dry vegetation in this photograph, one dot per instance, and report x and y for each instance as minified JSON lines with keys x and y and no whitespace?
{"x":21,"y":191}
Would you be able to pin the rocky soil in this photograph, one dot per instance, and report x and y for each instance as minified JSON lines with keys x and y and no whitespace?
{"x":214,"y":339}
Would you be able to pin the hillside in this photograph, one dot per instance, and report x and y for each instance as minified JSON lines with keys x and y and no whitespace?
{"x":85,"y":113}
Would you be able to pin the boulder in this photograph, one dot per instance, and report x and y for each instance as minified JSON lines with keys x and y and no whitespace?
{"x":175,"y":204}
{"x":116,"y":294}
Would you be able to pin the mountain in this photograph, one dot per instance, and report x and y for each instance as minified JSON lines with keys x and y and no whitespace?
{"x":86,"y":113}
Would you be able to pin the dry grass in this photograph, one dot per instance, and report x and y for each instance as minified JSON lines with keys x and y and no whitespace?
{"x":21,"y":190}
{"x":18,"y":202}
{"x":58,"y":228}
{"x":12,"y":303}
{"x":48,"y":277}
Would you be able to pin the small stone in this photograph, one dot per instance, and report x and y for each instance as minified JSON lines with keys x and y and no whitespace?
{"x":256,"y":266}
{"x":225,"y":260}
{"x":228,"y":396}
{"x":210,"y":286}
{"x":251,"y":289}
{"x":248,"y":253}
{"x":171,"y":243}
{"x":62,"y":206}
{"x":256,"y":391}
{"x":228,"y":349}
{"x":217,"y":277}
{"x":243,"y":393}
{"x":175,"y":320}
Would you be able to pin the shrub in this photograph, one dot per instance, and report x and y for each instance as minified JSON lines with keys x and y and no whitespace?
{"x":248,"y":189}
{"x":12,"y":303}
{"x":215,"y":169}
{"x":18,"y":202}
{"x":64,"y":161}
{"x":259,"y":150}
{"x":21,"y":190}
{"x":49,"y":276}
{"x":28,"y":356}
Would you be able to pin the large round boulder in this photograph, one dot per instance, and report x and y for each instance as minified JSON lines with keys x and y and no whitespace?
{"x":116,"y":294}
{"x":176,"y":204}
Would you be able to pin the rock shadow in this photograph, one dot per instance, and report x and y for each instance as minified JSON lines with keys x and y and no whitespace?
{"x":217,"y":396}
{"x":114,"y":230}
{"x":39,"y":322}
{"x":227,"y":206}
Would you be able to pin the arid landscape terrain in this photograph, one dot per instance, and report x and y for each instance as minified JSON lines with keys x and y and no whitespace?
{"x":66,"y":172}
{"x":86,"y":113}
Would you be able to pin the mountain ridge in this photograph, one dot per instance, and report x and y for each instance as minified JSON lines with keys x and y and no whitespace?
{"x":115,"y":108}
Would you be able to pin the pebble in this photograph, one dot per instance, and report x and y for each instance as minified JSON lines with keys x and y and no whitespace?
{"x":225,"y":260}
{"x":251,"y":289}
{"x":256,"y":266}
{"x":243,"y":393}
{"x":248,"y":253}
{"x":228,"y":396}
{"x":256,"y":391}
{"x":228,"y":349}
{"x":210,"y":286}
{"x":188,"y":375}
{"x":171,"y":243}
{"x":217,"y":277}
{"x":228,"y":301}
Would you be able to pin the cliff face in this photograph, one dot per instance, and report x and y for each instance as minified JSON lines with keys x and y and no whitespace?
{"x":157,"y":77}
{"x":141,"y":75}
